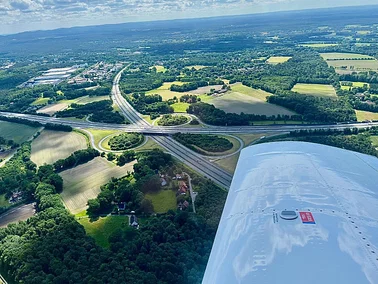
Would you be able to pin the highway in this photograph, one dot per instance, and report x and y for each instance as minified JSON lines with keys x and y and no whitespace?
{"x":161,"y":135}
{"x":168,"y":130}
{"x":185,"y":155}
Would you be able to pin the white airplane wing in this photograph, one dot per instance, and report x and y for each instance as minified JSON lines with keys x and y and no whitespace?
{"x":298,"y":212}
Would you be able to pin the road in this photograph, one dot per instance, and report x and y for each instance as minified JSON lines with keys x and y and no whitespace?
{"x":161,"y":134}
{"x":185,"y":155}
{"x":168,"y":130}
{"x":20,"y":213}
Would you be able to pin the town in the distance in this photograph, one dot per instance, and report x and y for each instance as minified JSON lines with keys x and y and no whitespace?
{"x":118,"y":144}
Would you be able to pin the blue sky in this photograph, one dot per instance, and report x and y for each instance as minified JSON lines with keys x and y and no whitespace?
{"x":25,"y":15}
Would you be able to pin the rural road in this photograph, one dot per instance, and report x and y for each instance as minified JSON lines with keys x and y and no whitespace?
{"x":20,"y":213}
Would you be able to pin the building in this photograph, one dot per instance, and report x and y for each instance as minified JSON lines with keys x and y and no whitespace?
{"x":134,"y":221}
{"x":298,"y":212}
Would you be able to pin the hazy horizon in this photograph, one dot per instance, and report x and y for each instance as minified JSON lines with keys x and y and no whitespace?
{"x":26,"y":15}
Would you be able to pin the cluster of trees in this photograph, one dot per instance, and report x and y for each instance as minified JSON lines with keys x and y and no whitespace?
{"x":367,"y":77}
{"x":144,"y":79}
{"x":101,"y":111}
{"x":76,"y":158}
{"x":210,"y":143}
{"x":132,"y":193}
{"x":149,"y":104}
{"x":125,"y":157}
{"x":212,"y":115}
{"x":117,"y":190}
{"x":7,"y":144}
{"x":18,"y":174}
{"x":188,"y":86}
{"x":171,"y":120}
{"x":73,"y":91}
{"x":125,"y":141}
{"x":316,"y":108}
{"x":190,"y":99}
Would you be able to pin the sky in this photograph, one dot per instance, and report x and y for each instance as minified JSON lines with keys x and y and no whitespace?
{"x":26,"y":15}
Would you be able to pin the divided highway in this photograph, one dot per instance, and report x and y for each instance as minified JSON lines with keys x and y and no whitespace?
{"x":161,"y":134}
{"x":188,"y":157}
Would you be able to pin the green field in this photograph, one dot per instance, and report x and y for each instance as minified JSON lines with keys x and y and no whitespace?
{"x":180,"y":107}
{"x":99,"y":134}
{"x":318,"y":90}
{"x":355,"y":85}
{"x":88,"y":99}
{"x":348,"y":62}
{"x":245,"y":100}
{"x":319,"y":45}
{"x":374,"y":141}
{"x":163,"y":200}
{"x":229,"y":163}
{"x":164,"y":91}
{"x":40,"y":101}
{"x":3,"y":201}
{"x":83,"y":182}
{"x":51,"y":146}
{"x":340,"y":55}
{"x":101,"y":229}
{"x":149,"y":145}
{"x":15,"y":131}
{"x":366,"y":115}
{"x":159,"y":68}
{"x":258,"y":94}
{"x":278,"y":59}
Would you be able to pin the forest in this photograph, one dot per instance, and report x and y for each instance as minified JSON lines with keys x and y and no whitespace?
{"x":101,"y":111}
{"x":211,"y":143}
{"x":125,"y":141}
{"x":172,"y":120}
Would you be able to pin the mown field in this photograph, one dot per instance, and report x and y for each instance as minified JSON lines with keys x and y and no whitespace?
{"x":159,"y":68}
{"x":180,"y":107}
{"x":40,"y":101}
{"x":355,"y":85}
{"x":101,"y":229}
{"x":318,"y":90}
{"x":15,"y":131}
{"x":83,"y":182}
{"x":349,"y":62}
{"x":205,"y":90}
{"x":51,"y":146}
{"x":164,"y":91}
{"x":278,"y":59}
{"x":163,"y":200}
{"x":63,"y":104}
{"x":53,"y":108}
{"x":366,"y":115}
{"x":247,"y":100}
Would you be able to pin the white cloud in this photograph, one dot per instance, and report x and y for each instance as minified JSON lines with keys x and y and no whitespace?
{"x":18,"y":15}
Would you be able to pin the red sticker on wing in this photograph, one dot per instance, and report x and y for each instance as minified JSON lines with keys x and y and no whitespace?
{"x":307,"y":218}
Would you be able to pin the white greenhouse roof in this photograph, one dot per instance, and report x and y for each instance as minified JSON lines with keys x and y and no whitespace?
{"x":332,"y":194}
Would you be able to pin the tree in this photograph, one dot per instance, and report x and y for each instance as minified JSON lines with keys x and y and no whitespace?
{"x":146,"y":206}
